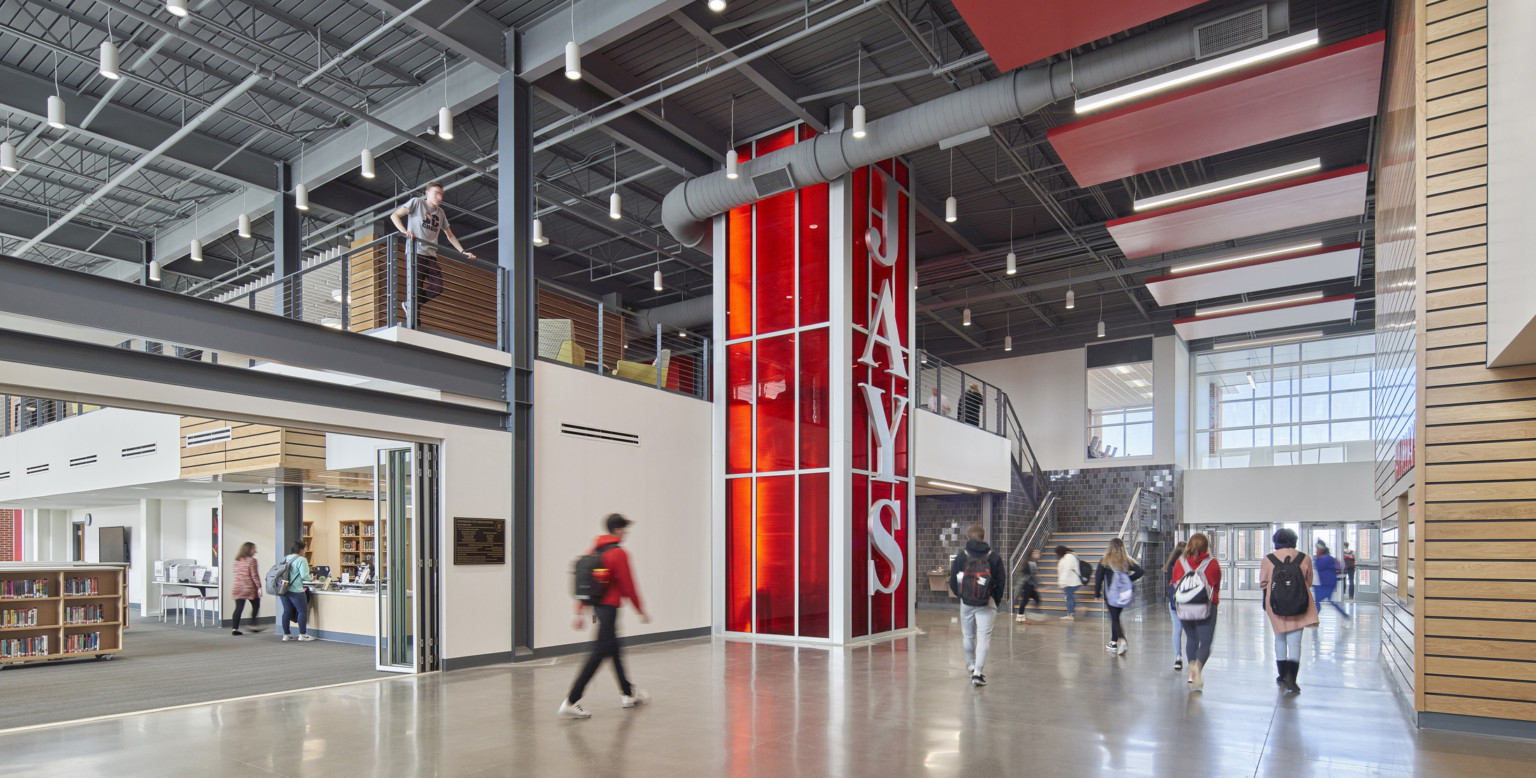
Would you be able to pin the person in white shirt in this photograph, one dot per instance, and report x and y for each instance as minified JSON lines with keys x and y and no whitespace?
{"x":1069,"y":577}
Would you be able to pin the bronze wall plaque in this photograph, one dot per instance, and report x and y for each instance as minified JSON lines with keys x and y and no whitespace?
{"x":479,"y":541}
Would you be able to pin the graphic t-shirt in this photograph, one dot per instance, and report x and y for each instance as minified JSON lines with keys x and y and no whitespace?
{"x":425,"y":222}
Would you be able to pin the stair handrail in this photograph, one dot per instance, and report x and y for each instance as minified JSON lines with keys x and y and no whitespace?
{"x":1040,"y":527}
{"x":1026,"y":453}
{"x":1132,"y":512}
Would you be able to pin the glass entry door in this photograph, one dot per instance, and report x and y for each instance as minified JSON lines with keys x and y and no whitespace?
{"x":1250,"y":544}
{"x":1221,"y":549}
{"x":393,"y":517}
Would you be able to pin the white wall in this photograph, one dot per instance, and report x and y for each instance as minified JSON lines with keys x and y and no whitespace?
{"x":130,"y":516}
{"x":950,"y":451}
{"x":104,"y":433}
{"x":1050,"y":395}
{"x":664,"y":485}
{"x":1511,"y":183}
{"x":247,"y":518}
{"x":1273,"y":495}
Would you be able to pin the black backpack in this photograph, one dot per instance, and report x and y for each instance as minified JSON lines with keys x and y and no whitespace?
{"x":1084,"y":571}
{"x":1288,"y":594}
{"x":976,"y":581}
{"x":591,"y":578}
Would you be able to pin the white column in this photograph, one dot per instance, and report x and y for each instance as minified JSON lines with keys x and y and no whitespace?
{"x":146,"y":552}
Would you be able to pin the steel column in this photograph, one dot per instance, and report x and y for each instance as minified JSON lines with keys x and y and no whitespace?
{"x":286,"y":250}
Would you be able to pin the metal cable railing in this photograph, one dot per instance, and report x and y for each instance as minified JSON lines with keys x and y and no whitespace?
{"x":586,"y":333}
{"x":955,"y":394}
{"x":26,"y":413}
{"x":1040,"y":528}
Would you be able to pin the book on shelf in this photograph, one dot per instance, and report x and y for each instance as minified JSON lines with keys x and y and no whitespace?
{"x":11,"y":590}
{"x":83,"y":643}
{"x":81,"y":587}
{"x":85,"y":614}
{"x":19,"y":618}
{"x":14,"y":648}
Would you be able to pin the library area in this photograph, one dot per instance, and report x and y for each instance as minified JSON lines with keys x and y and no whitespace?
{"x":154,"y":569}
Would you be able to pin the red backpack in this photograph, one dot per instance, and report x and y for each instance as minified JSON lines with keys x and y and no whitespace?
{"x":976,"y":581}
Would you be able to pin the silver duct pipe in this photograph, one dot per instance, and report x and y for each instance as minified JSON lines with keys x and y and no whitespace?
{"x":689,"y":206}
{"x":682,"y":315}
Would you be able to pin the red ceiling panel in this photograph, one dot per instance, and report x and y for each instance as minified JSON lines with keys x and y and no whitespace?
{"x":1018,"y":32}
{"x":1305,"y":92}
{"x":1316,"y":198}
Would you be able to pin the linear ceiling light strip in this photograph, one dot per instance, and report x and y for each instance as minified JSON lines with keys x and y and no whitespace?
{"x":1230,"y":184}
{"x":1205,"y":70}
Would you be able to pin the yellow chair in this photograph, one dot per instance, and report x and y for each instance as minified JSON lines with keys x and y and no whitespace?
{"x":646,"y":372}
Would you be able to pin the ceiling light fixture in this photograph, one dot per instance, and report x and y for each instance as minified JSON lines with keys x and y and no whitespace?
{"x":1229,"y":184}
{"x":716,"y":5}
{"x":656,"y":282}
{"x":244,"y":224}
{"x":539,"y":239}
{"x":1012,"y":262}
{"x":1071,"y":297}
{"x":615,"y":204}
{"x":1259,"y":304}
{"x":1251,"y":384}
{"x":300,"y":191}
{"x":365,"y":160}
{"x":965,"y":317}
{"x":1274,"y":341}
{"x":946,"y":485}
{"x":1316,"y":244}
{"x":573,"y":50}
{"x":196,"y":248}
{"x":1101,"y":316}
{"x":732,"y":159}
{"x":8,"y":151}
{"x":1200,"y":72}
{"x":55,"y":102}
{"x":860,"y":129}
{"x":444,"y":115}
{"x":177,"y":7}
{"x":951,"y":206}
{"x":1007,"y":328}
{"x":154,"y":271}
{"x":109,"y":53}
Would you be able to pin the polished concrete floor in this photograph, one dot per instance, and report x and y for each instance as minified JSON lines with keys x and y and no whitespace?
{"x":1058,"y":704}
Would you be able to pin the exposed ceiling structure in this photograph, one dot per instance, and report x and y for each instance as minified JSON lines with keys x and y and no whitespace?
{"x":187,"y":139}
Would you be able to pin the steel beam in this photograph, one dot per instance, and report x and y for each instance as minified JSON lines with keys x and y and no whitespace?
{"x":456,"y":25}
{"x":381,"y":61}
{"x":25,"y":348}
{"x":598,"y":24}
{"x":637,"y":132}
{"x":768,"y":76}
{"x":26,"y":225}
{"x":49,"y":293}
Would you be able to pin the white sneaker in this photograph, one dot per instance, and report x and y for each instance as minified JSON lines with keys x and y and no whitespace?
{"x":306,"y":637}
{"x":1196,"y":679}
{"x":639,"y":697}
{"x":1120,"y":646}
{"x":572,"y":710}
{"x":1019,"y":619}
{"x":1112,"y":646}
{"x":287,"y":638}
{"x":1068,"y":618}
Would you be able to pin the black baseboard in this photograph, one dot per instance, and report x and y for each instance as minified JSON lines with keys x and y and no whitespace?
{"x":478,"y":660}
{"x":637,"y":640}
{"x":1478,"y":725}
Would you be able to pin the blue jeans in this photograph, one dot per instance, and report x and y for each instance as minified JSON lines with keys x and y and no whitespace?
{"x":295,"y":608}
{"x":1323,"y":594}
{"x":1288,"y":646}
{"x":1071,"y":592}
{"x":1178,"y":629}
{"x":976,"y":633}
{"x":1200,"y":635}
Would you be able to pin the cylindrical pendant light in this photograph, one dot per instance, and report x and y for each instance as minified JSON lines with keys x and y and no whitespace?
{"x":197,"y":250}
{"x":1071,"y":300}
{"x":365,"y":165}
{"x":109,"y":60}
{"x":1007,"y":342}
{"x":154,"y":271}
{"x":1013,"y":263}
{"x":965,"y":318}
{"x":1101,"y":328}
{"x":860,"y":128}
{"x":732,"y":164}
{"x":656,"y":281}
{"x":951,"y":209}
{"x":176,"y":7}
{"x":56,"y":112}
{"x":572,"y":60}
{"x":8,"y":157}
{"x":716,"y":5}
{"x":301,"y":197}
{"x":538,"y":233}
{"x":445,"y":123}
{"x":614,"y":211}
{"x":244,"y":230}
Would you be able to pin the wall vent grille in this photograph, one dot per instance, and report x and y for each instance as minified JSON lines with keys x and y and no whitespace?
{"x":139,"y":451}
{"x":1231,"y":33}
{"x":772,"y":182}
{"x":37,"y":469}
{"x":595,"y":433}
{"x":82,"y":461}
{"x":211,"y":436}
{"x":4,"y":475}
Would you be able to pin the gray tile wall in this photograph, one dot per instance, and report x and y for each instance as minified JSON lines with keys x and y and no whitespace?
{"x":941,"y":523}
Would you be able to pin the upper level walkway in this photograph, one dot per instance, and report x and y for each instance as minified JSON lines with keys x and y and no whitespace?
{"x":1057,"y":704}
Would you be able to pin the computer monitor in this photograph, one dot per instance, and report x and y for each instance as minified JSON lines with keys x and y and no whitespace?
{"x":323,"y":571}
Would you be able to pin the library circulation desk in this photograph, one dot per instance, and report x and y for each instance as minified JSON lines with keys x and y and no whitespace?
{"x":61,"y":611}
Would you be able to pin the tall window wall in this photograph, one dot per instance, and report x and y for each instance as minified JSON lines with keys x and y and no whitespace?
{"x":1289,"y":404}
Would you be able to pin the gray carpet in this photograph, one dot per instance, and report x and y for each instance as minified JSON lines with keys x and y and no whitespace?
{"x":165,"y":665}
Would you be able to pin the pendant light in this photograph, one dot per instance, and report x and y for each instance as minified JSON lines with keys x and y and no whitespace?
{"x":445,"y":116}
{"x":154,"y":271}
{"x":951,"y":206}
{"x":55,"y":102}
{"x":177,"y":7}
{"x":573,"y":50}
{"x":196,"y":249}
{"x":859,"y":128}
{"x":538,"y":226}
{"x":365,"y":159}
{"x":615,"y":212}
{"x":656,"y":281}
{"x":1101,"y":315}
{"x":1013,"y":259}
{"x":1071,"y":298}
{"x":716,"y":5}
{"x":8,"y":151}
{"x":1007,"y":328}
{"x":300,"y":191}
{"x":244,"y":225}
{"x":109,"y":53}
{"x":965,"y":317}
{"x":732,"y":159}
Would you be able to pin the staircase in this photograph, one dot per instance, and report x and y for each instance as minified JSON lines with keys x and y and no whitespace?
{"x":1090,"y":546}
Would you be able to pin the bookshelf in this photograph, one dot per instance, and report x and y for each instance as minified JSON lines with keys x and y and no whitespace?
{"x":57,"y":612}
{"x":309,"y":543}
{"x":359,"y":546}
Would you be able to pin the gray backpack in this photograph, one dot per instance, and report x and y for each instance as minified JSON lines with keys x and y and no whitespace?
{"x":280,"y":576}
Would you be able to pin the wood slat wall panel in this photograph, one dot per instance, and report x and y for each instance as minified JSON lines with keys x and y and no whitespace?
{"x":1477,"y":706}
{"x":250,"y":447}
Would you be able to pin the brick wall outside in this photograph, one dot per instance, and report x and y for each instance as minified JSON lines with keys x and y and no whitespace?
{"x":7,"y":535}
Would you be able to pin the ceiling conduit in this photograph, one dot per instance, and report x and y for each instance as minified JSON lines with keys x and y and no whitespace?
{"x":689,"y":206}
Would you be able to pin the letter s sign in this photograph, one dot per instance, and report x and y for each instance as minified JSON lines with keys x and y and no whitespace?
{"x":885,"y":543}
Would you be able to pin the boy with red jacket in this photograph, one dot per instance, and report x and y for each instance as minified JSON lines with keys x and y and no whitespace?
{"x":620,"y":587}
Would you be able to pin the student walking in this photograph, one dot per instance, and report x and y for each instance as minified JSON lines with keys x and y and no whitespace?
{"x":1114,"y":581}
{"x":977,"y":576}
{"x":1197,"y":589}
{"x":1029,"y":589}
{"x":1349,"y":572}
{"x":295,"y":601}
{"x":1173,"y":613}
{"x":1328,"y":570}
{"x":620,"y":587}
{"x":423,"y":220}
{"x":1285,"y":579}
{"x":1069,"y":576}
{"x":246,"y":586}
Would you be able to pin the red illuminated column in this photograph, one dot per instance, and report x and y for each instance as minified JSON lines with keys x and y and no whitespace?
{"x":813,"y":312}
